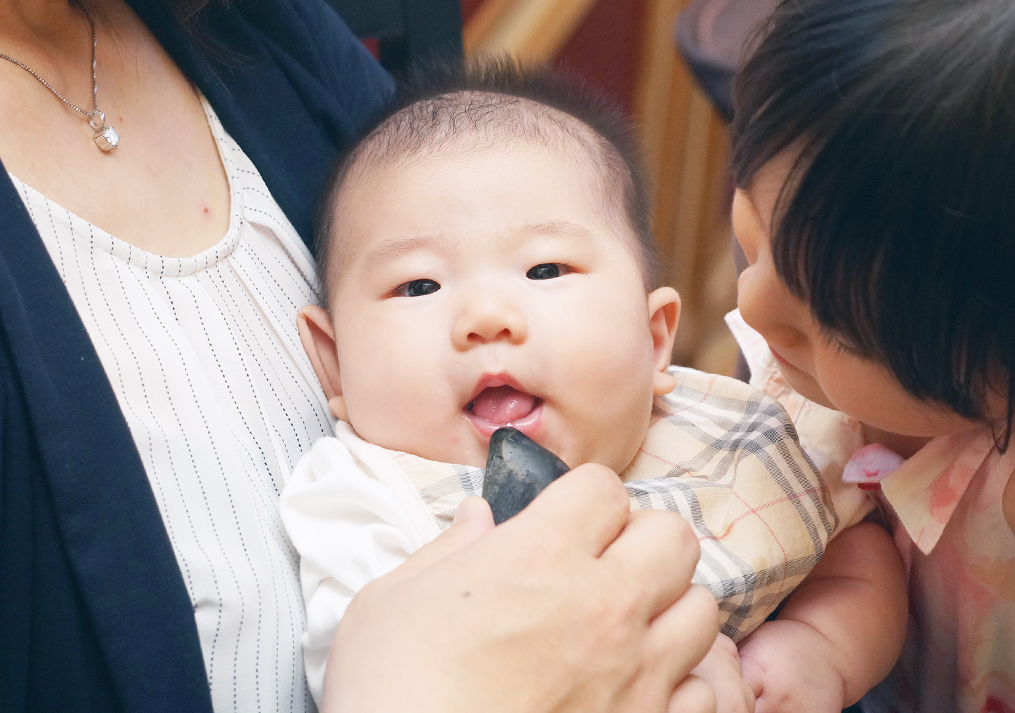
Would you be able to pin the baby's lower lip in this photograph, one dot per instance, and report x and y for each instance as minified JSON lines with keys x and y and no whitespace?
{"x":528,"y":424}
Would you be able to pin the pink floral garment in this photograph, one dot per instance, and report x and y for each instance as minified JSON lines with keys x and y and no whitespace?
{"x":945,"y":506}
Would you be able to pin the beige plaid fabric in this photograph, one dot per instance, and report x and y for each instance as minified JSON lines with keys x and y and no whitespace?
{"x":725,"y":456}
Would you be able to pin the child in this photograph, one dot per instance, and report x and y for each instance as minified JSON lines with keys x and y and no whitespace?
{"x":875,"y":159}
{"x":488,"y":262}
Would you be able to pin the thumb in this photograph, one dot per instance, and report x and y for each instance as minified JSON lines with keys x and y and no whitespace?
{"x":472,"y":520}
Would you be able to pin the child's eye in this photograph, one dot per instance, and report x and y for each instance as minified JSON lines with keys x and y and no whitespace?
{"x":547,"y":271}
{"x":839,"y":344}
{"x":417,"y":288}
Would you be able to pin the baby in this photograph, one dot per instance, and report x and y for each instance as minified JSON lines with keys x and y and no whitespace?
{"x":487,"y":261}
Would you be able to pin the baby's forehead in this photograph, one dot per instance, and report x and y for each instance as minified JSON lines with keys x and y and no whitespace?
{"x":420,"y":166}
{"x":449,"y":184}
{"x":464,"y":124}
{"x":472,"y":119}
{"x":460,"y":126}
{"x":457,"y":127}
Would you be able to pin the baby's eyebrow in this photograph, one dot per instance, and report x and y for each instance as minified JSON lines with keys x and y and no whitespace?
{"x":395,"y":247}
{"x":559,"y":228}
{"x":441,"y":244}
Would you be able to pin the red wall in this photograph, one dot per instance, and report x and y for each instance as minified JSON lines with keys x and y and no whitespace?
{"x":605,"y":48}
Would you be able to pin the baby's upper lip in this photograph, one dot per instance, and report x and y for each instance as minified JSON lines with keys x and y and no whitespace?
{"x":489,"y":381}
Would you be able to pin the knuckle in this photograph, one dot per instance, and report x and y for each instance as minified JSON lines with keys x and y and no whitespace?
{"x":675,"y":526}
{"x":684,"y":534}
{"x":676,"y":534}
{"x":703,"y":603}
{"x":614,"y":613}
{"x":605,"y":485}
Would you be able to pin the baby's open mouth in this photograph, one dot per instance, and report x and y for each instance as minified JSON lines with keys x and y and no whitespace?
{"x":503,"y":405}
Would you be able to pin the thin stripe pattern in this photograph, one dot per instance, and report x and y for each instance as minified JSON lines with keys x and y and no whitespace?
{"x":205,"y":361}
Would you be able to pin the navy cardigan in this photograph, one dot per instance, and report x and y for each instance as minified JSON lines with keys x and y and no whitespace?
{"x":94,"y":614}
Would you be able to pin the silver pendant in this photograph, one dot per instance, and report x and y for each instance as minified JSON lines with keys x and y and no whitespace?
{"x":105,"y":137}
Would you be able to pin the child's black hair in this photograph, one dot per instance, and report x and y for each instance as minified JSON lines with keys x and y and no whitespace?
{"x":897,"y":224}
{"x":439,"y":103}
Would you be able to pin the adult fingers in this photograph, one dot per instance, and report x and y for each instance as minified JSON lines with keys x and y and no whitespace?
{"x":680,"y":637}
{"x":656,"y":553}
{"x":692,"y":695}
{"x":472,"y":520}
{"x":725,"y":643}
{"x":586,"y":508}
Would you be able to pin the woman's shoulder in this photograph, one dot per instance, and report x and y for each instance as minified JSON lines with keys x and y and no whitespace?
{"x":310,"y":42}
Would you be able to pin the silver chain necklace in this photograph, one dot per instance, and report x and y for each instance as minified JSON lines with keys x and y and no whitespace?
{"x":105,"y":137}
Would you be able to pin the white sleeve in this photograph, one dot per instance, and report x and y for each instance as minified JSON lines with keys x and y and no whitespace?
{"x":349,"y":529}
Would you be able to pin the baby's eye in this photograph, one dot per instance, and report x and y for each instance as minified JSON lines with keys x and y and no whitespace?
{"x":417,"y":288}
{"x":547,"y":271}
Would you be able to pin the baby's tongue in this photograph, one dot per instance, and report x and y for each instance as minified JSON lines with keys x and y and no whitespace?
{"x":502,"y":405}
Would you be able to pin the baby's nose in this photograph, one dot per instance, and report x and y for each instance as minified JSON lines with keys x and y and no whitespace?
{"x":488,"y":319}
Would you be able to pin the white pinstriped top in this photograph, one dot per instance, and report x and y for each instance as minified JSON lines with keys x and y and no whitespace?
{"x":205,"y":361}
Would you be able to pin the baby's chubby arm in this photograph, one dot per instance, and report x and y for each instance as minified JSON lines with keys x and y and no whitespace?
{"x":839,"y":633}
{"x":837,"y":636}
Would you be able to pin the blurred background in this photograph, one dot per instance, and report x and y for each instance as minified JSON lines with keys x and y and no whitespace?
{"x":668,"y":64}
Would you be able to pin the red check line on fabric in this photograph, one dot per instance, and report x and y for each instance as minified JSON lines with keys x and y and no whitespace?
{"x":755,"y":511}
{"x":672,"y":412}
{"x":702,"y":399}
{"x":659,"y":458}
{"x":668,"y":411}
{"x":750,"y":511}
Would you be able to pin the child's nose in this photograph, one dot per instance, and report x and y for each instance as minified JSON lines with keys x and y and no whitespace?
{"x":488,"y":319}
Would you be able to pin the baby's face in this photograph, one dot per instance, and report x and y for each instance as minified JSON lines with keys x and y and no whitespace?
{"x":493,"y":287}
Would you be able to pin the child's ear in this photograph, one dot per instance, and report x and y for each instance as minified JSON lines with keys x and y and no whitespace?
{"x":663,"y":315}
{"x":318,"y":338}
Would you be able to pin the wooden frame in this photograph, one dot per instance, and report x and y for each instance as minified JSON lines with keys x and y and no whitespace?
{"x":531,"y":30}
{"x":686,"y":149}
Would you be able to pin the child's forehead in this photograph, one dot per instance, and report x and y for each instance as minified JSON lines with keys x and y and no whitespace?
{"x":519,"y":162}
{"x":424,"y":164}
{"x":460,"y":123}
{"x":512,"y":187}
{"x":498,"y":209}
{"x":443,"y":134}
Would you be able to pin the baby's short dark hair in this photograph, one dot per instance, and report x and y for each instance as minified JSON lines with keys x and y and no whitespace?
{"x":897,"y":224}
{"x":451,"y":106}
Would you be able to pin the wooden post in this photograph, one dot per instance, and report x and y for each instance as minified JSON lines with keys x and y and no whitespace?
{"x":686,"y":150}
{"x":531,"y":30}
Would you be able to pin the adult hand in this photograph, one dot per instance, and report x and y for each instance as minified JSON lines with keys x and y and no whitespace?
{"x":575,"y":604}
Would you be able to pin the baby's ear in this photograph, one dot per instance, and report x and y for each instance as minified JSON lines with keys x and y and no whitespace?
{"x":663,"y":315}
{"x":318,"y":338}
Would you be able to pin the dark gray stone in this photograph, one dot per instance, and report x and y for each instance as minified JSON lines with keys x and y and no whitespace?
{"x":517,"y":470}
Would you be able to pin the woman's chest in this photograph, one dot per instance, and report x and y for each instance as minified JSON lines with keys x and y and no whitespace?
{"x":163,"y":189}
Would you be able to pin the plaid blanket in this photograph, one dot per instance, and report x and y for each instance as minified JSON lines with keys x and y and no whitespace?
{"x":726,"y":457}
